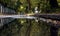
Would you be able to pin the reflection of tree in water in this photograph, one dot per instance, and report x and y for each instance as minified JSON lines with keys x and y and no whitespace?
{"x":10,"y":29}
{"x":29,"y":28}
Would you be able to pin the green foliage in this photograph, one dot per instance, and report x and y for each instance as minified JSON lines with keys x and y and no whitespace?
{"x":15,"y":29}
{"x":58,"y":0}
{"x":34,"y":28}
{"x":10,"y":3}
{"x":11,"y":29}
{"x":16,"y":4}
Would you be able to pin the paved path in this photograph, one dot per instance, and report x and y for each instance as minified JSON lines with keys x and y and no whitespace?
{"x":33,"y":16}
{"x":53,"y":18}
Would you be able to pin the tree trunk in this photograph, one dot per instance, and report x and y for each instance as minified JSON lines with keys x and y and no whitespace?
{"x":29,"y":28}
{"x":54,"y":31}
{"x":29,"y":4}
{"x":53,"y":3}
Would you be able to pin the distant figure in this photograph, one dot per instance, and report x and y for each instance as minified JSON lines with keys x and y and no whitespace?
{"x":36,"y":10}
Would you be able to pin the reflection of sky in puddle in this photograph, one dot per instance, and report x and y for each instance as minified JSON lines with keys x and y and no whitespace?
{"x":43,"y":19}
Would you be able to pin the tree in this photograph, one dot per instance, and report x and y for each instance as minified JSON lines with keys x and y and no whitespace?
{"x":29,"y":4}
{"x":53,"y":3}
{"x":8,"y":3}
